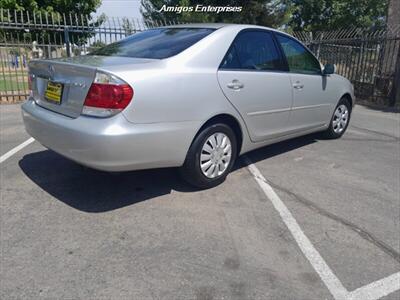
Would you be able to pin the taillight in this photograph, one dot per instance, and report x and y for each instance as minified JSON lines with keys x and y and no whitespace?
{"x":107,"y":96}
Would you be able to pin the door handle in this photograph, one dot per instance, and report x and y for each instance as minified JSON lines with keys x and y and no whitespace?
{"x":235,"y":85}
{"x":297,"y":85}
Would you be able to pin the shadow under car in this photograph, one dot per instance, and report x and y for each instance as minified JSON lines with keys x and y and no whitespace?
{"x":95,"y":191}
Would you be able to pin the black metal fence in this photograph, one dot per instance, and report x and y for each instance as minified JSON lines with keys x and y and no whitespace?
{"x":367,"y":58}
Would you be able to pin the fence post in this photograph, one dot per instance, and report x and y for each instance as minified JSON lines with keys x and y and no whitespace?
{"x":67,"y":43}
{"x":319,"y":45}
{"x":395,"y":97}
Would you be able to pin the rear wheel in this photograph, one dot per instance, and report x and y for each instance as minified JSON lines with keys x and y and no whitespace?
{"x":210,"y":157}
{"x":340,"y":119}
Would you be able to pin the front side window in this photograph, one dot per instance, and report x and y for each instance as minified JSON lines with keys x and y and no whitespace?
{"x":253,"y":50}
{"x":155,"y":43}
{"x":299,"y":59}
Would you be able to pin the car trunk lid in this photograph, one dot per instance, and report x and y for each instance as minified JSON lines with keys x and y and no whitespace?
{"x":74,"y":80}
{"x":75,"y":75}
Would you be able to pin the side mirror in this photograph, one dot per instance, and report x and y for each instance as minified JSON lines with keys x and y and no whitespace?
{"x":329,"y":69}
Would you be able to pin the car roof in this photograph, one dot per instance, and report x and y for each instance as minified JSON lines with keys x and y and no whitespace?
{"x":199,"y":25}
{"x":220,"y":25}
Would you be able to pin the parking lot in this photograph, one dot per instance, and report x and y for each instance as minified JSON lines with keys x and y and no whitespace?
{"x":303,"y":219}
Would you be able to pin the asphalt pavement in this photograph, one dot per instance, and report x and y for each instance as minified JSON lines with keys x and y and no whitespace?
{"x":69,"y":232}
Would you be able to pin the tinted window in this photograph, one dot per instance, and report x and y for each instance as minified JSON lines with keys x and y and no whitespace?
{"x":253,"y":50}
{"x":155,"y":43}
{"x":299,"y":59}
{"x":231,"y":60}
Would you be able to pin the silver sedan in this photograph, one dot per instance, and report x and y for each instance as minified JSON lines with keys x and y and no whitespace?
{"x":190,"y":96}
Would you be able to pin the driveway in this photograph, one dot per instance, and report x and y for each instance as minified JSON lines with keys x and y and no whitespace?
{"x":304,"y":219}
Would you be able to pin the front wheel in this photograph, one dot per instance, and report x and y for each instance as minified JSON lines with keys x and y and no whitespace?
{"x":210,"y":157}
{"x":340,"y":119}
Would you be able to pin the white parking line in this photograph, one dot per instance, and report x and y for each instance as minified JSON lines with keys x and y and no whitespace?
{"x":377,"y":289}
{"x":328,"y":277}
{"x":371,"y":291}
{"x":10,"y":153}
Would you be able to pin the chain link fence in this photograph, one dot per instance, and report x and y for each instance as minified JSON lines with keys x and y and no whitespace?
{"x":367,"y":58}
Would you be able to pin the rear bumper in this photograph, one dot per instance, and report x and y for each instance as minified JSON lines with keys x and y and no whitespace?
{"x":110,"y":144}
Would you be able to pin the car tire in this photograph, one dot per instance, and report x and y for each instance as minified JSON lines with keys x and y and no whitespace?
{"x":340,"y":119}
{"x":206,"y":164}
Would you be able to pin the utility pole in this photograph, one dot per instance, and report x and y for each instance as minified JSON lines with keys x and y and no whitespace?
{"x":393,"y":23}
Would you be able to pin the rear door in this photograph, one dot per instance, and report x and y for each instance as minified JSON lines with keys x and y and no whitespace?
{"x":252,"y":78}
{"x":311,"y":103}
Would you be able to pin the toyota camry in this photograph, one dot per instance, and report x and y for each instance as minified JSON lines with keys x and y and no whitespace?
{"x":189,"y":96}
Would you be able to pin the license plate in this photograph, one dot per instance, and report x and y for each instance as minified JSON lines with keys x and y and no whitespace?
{"x":54,"y":92}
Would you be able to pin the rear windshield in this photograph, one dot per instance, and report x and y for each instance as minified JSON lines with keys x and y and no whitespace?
{"x":155,"y":43}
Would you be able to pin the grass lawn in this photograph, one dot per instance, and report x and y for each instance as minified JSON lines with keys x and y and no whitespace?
{"x":11,"y":84}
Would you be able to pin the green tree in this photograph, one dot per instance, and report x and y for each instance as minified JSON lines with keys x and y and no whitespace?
{"x":262,"y":12}
{"x":313,"y":15}
{"x":84,"y":7}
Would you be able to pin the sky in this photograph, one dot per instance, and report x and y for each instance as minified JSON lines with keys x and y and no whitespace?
{"x":120,"y":8}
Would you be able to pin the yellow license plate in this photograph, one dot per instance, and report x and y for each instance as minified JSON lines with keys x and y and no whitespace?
{"x":53,"y":92}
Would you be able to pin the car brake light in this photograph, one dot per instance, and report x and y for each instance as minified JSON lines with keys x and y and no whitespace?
{"x":107,"y":96}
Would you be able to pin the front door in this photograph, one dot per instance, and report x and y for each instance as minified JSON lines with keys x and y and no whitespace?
{"x":311,"y":104}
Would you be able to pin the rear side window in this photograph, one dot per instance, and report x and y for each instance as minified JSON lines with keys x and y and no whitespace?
{"x":253,"y":50}
{"x":155,"y":43}
{"x":299,"y":59}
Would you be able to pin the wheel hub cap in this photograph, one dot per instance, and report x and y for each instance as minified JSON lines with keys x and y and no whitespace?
{"x":215,"y":155}
{"x":340,"y":118}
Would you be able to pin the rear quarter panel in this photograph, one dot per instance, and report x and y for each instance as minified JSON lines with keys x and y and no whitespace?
{"x":171,"y":96}
{"x":183,"y":87}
